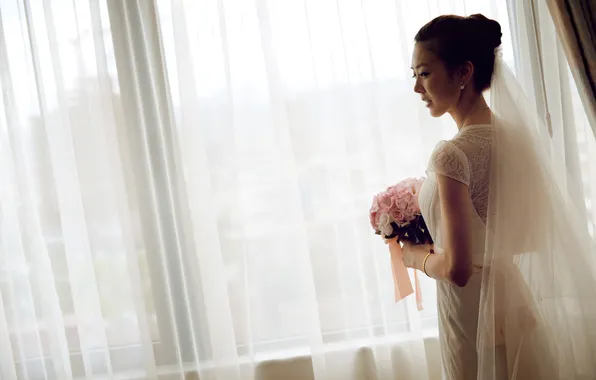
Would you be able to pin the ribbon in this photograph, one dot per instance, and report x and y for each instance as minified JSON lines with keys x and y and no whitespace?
{"x":401,"y":278}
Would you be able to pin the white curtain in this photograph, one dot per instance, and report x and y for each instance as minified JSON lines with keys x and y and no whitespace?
{"x":184,"y":185}
{"x":545,"y":75}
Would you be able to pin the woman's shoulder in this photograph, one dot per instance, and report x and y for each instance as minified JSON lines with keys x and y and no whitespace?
{"x":479,"y":131}
{"x":449,"y":160}
{"x":473,"y":140}
{"x":447,"y":147}
{"x":465,"y":143}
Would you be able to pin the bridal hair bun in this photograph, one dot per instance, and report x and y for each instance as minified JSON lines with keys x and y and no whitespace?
{"x":456,"y":40}
{"x":487,"y":29}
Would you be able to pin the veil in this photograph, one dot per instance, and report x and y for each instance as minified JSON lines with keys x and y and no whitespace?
{"x":537,"y":314}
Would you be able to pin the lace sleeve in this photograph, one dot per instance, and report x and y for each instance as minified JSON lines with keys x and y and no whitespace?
{"x":448,"y":160}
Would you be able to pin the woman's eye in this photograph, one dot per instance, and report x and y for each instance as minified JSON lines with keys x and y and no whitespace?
{"x":423,"y":75}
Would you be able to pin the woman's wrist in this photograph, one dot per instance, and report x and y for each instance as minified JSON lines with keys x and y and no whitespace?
{"x":422,"y":257}
{"x":419,"y":259}
{"x":414,"y":255}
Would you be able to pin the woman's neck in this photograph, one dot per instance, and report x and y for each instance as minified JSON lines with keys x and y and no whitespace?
{"x":473,"y":110}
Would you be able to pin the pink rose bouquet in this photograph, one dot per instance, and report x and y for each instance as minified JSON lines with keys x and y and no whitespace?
{"x":395,"y":213}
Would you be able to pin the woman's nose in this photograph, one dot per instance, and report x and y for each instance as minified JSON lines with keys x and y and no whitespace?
{"x":418,"y":87}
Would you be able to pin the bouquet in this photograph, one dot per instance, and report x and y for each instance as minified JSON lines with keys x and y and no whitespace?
{"x":395,"y":213}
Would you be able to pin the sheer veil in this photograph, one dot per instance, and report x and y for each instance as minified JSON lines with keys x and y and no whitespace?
{"x":537,"y":315}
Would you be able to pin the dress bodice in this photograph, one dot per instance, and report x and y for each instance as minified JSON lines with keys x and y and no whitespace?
{"x":465,"y":158}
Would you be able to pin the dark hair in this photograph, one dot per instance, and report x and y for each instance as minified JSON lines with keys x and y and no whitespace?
{"x":457,"y":39}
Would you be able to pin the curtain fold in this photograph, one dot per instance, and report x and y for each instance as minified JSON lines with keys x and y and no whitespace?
{"x":575,"y":21}
{"x":184,"y":185}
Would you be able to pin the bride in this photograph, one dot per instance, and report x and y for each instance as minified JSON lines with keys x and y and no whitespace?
{"x":514,"y":263}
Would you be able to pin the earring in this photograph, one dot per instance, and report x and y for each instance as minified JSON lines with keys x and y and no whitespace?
{"x":462,"y":86}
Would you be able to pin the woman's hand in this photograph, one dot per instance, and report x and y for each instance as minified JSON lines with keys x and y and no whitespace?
{"x":388,"y":241}
{"x":415,"y":253}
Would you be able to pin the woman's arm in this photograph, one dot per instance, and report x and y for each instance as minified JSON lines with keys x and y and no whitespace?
{"x":454,"y":264}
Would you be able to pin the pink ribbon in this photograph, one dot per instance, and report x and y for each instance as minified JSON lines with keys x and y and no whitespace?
{"x":401,"y":278}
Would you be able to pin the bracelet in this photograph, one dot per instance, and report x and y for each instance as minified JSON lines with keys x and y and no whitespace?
{"x":424,"y":262}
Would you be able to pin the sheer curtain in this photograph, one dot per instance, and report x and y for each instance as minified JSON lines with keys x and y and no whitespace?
{"x":545,"y":75}
{"x":571,"y":127}
{"x":185,"y":185}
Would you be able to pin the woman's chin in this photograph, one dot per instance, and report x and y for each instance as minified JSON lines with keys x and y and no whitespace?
{"x":434,"y":112}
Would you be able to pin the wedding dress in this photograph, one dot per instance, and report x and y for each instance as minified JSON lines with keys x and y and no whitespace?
{"x":529,"y":309}
{"x":464,"y":159}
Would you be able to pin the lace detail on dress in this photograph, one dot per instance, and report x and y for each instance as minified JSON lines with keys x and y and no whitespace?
{"x":450,"y":161}
{"x":466,"y":158}
{"x":475,"y":142}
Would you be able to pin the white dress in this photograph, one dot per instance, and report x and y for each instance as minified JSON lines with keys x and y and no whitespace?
{"x":465,"y":158}
{"x":530,"y":311}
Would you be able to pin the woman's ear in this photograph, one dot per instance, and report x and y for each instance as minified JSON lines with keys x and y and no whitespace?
{"x":466,"y":72}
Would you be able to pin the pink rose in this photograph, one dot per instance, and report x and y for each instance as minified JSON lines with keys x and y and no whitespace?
{"x":375,"y":204}
{"x":404,"y":201}
{"x":385,"y":202}
{"x":413,"y":209}
{"x":398,"y":216}
{"x":374,"y":209}
{"x":397,"y":203}
{"x":385,"y":225}
{"x":372,"y":217}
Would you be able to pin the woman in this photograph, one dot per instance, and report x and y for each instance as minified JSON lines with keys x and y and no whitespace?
{"x":514,"y":264}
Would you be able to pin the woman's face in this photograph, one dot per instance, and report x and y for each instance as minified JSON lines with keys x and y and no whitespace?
{"x":437,"y":88}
